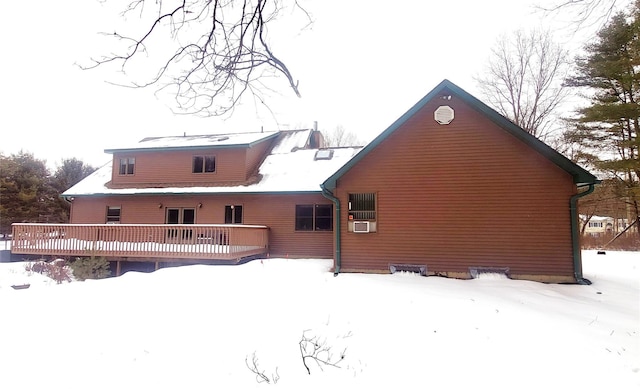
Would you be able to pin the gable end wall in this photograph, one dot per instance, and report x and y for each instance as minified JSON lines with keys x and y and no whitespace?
{"x":460,"y":195}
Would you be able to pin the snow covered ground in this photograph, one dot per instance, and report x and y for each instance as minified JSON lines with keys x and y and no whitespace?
{"x":196,"y":326}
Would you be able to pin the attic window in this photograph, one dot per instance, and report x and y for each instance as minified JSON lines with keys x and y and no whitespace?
{"x":323,"y":154}
{"x":444,"y":114}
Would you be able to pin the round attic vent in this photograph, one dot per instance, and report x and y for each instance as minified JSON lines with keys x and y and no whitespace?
{"x":444,"y":114}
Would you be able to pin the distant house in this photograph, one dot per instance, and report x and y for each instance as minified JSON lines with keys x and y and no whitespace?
{"x":451,"y":188}
{"x":601,"y":225}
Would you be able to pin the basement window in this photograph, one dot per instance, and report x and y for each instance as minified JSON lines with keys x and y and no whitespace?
{"x":204,"y":164}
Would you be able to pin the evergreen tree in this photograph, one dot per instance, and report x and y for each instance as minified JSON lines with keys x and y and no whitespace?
{"x":25,"y":192}
{"x":29,"y":193}
{"x":67,"y":174}
{"x":608,"y":128}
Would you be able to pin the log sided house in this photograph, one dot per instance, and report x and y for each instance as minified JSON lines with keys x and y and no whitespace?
{"x":451,"y":188}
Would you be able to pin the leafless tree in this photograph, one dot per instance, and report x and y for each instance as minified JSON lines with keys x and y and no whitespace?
{"x":340,"y":137}
{"x":523,"y":80}
{"x":584,"y":12}
{"x":206,"y":53}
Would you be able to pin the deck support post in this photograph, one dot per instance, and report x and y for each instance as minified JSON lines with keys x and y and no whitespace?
{"x":118,"y":268}
{"x":157,"y":265}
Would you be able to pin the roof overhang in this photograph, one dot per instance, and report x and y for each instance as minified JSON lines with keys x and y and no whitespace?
{"x":226,"y":145}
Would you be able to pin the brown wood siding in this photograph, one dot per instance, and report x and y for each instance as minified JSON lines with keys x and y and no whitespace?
{"x":460,"y":195}
{"x":255,"y":155}
{"x":275,"y":211}
{"x":175,"y":167}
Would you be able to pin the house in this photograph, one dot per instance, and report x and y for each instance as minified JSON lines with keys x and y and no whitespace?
{"x":264,"y":178}
{"x":601,"y":225}
{"x":597,"y":225}
{"x":451,"y":188}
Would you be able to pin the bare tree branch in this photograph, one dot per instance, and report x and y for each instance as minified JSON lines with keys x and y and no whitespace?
{"x":340,"y":137}
{"x":586,"y":13}
{"x":523,"y":80}
{"x":260,"y":374}
{"x":317,"y":350}
{"x":206,"y":53}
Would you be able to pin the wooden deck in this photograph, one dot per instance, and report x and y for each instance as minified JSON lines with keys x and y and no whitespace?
{"x":156,"y":242}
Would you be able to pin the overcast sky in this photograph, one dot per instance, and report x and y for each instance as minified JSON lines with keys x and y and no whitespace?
{"x":361,"y":65}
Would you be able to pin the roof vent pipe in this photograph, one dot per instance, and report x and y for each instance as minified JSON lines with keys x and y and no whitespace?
{"x":315,"y":125}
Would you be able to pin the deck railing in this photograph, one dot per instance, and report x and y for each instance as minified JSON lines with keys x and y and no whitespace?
{"x":163,"y":241}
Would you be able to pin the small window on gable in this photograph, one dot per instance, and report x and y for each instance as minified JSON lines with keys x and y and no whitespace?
{"x":127,"y":166}
{"x":362,"y":206}
{"x":323,"y":154}
{"x":204,"y":164}
{"x":113,"y":215}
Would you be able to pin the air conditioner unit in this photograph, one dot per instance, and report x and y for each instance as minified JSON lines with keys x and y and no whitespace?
{"x":362,"y":227}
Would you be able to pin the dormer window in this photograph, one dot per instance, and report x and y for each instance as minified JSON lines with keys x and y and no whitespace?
{"x":204,"y":164}
{"x":127,"y":166}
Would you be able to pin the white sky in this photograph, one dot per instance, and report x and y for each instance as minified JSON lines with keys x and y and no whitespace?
{"x":361,"y":66}
{"x":194,"y":326}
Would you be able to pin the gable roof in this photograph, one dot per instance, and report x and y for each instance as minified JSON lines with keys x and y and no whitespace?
{"x":580,"y":175}
{"x":289,"y":167}
{"x":195,"y":142}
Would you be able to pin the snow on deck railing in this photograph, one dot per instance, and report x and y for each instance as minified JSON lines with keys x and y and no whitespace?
{"x":197,"y":241}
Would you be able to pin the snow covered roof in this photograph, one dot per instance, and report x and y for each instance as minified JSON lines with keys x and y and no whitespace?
{"x":288,"y":168}
{"x":196,"y":141}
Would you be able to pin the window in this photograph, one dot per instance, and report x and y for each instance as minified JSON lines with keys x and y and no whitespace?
{"x":233,"y":214}
{"x":595,"y":224}
{"x":204,"y":164}
{"x":318,"y":217}
{"x":113,"y":215}
{"x":180,"y":216}
{"x":362,"y":206}
{"x":323,"y":154}
{"x":127,"y":165}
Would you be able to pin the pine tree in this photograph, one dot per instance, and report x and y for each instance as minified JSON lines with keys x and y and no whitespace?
{"x":68,"y":173}
{"x":26,"y":194}
{"x":608,"y":128}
